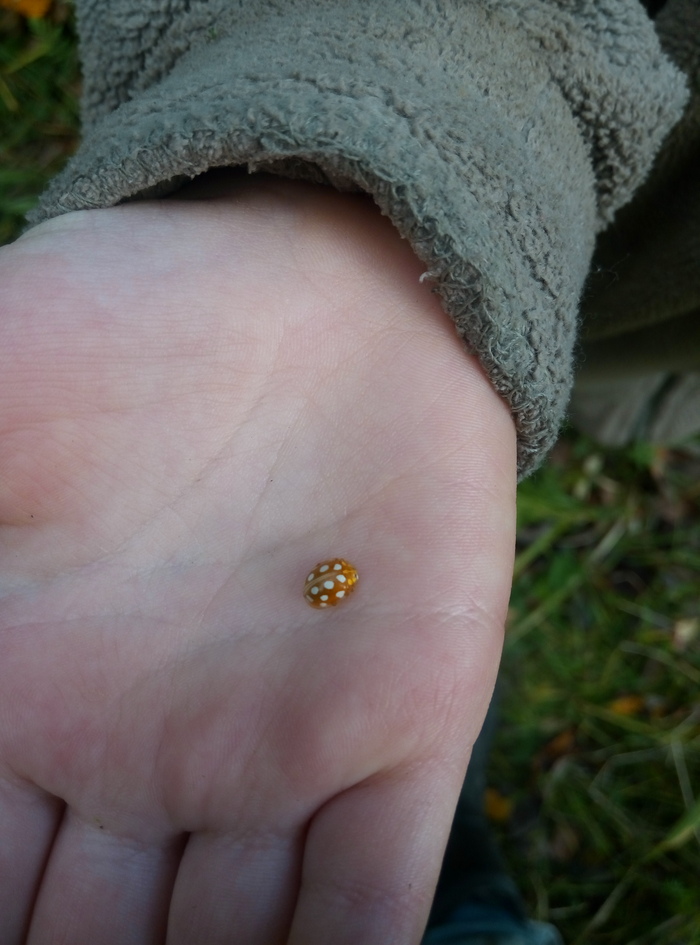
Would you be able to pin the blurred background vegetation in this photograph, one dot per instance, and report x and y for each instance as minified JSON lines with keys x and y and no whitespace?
{"x":39,"y":88}
{"x":595,"y":784}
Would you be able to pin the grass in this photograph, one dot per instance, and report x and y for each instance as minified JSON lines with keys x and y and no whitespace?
{"x":600,"y":747}
{"x":39,"y":86}
{"x":596,"y":773}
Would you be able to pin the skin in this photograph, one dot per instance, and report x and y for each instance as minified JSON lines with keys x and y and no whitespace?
{"x":201,"y":398}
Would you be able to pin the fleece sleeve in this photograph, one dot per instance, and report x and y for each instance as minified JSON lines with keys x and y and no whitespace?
{"x":499,"y":137}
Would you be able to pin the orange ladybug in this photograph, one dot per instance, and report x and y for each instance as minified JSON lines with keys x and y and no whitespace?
{"x":329,"y":583}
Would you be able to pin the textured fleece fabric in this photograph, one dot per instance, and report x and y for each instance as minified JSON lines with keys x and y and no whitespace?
{"x":499,"y":136}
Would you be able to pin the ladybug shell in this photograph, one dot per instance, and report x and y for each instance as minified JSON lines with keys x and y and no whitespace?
{"x":329,"y":583}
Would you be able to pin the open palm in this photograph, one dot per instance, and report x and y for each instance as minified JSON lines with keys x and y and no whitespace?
{"x":199,"y":400}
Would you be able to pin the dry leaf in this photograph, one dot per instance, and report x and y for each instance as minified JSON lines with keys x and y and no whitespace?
{"x":497,"y":806}
{"x":627,"y":705}
{"x":562,"y":744}
{"x":28,"y":8}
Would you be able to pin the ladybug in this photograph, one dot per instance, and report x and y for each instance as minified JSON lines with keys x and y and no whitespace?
{"x":329,"y":583}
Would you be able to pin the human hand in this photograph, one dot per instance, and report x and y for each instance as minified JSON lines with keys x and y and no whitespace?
{"x":199,"y":400}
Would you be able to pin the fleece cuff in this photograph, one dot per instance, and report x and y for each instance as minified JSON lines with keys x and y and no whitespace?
{"x":499,"y":137}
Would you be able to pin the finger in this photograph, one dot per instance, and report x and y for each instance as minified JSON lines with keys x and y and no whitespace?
{"x":29,"y":819}
{"x":235,"y":891}
{"x":100,"y":888}
{"x":372,"y":859}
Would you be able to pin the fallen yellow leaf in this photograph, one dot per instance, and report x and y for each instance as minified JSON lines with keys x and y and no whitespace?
{"x":28,"y":8}
{"x":497,"y":806}
{"x":626,"y":705}
{"x":562,"y":744}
